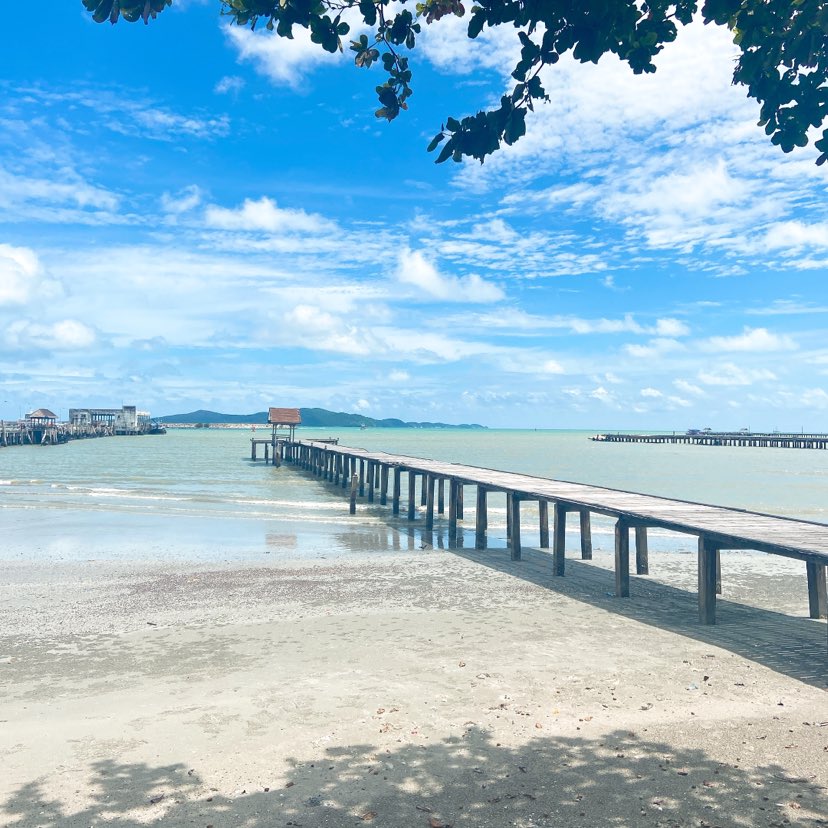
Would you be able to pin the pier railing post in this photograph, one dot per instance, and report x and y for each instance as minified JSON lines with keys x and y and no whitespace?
{"x":707,"y":580}
{"x":622,"y":559}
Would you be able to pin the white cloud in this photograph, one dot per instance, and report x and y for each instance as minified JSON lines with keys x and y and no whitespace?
{"x":414,"y":269}
{"x":265,"y":215}
{"x":399,"y":376}
{"x":362,"y":405}
{"x":688,"y":388}
{"x":20,"y":271}
{"x":794,"y":235}
{"x":65,"y":187}
{"x":183,"y":201}
{"x":654,"y":348}
{"x":600,"y":393}
{"x":751,"y":340}
{"x":285,"y":61}
{"x":68,"y":334}
{"x":229,"y":83}
{"x":728,"y":373}
{"x":651,"y":392}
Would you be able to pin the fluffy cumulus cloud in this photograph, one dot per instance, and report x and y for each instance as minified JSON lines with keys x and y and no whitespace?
{"x":414,"y":269}
{"x":730,"y":374}
{"x":751,"y":340}
{"x":264,"y":215}
{"x":22,"y":277}
{"x":183,"y":201}
{"x":65,"y":335}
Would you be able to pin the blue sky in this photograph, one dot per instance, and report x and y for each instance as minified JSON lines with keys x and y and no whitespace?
{"x":193,"y":216}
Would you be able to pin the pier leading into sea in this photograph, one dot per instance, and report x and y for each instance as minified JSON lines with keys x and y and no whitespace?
{"x":442,"y":487}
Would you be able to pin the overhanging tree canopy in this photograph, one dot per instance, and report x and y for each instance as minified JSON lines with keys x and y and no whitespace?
{"x":783,"y":44}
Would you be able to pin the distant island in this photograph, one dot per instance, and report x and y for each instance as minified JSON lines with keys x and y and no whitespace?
{"x":311,"y":418}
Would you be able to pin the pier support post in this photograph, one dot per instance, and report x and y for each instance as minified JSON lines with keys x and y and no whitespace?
{"x":459,"y":500}
{"x":383,"y":484}
{"x":361,"y":478}
{"x":412,"y":486}
{"x":395,"y":496}
{"x":267,"y":453}
{"x":452,"y":538}
{"x":707,"y":580}
{"x":514,"y":512}
{"x":481,"y":519}
{"x":559,"y":540}
{"x":543,"y":523}
{"x":642,"y":555}
{"x":817,"y":596}
{"x":586,"y":535}
{"x":622,"y":559}
{"x":354,"y":487}
{"x":423,"y":479}
{"x":253,"y":449}
{"x":372,"y":470}
{"x":277,"y":455}
{"x":428,"y":483}
{"x":441,"y":503}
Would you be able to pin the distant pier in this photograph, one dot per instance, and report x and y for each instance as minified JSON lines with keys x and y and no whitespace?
{"x":772,"y":439}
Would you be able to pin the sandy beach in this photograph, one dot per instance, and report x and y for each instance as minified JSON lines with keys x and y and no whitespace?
{"x":431,"y":688}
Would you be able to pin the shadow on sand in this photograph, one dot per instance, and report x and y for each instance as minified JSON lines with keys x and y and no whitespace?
{"x":622,"y":780}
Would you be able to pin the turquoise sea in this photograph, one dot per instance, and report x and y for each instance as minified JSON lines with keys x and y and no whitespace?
{"x":195,"y":495}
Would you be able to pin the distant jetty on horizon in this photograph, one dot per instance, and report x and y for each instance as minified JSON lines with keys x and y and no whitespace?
{"x":707,"y":437}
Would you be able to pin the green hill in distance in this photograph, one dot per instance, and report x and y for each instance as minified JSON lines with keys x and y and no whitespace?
{"x":311,"y":417}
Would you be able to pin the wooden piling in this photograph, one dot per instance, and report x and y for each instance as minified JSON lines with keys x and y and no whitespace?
{"x":441,"y":503}
{"x":383,"y":484}
{"x":514,"y":511}
{"x":481,"y":519}
{"x":707,"y":580}
{"x":543,"y":523}
{"x":252,"y":449}
{"x":361,"y":478}
{"x":559,"y":539}
{"x":460,"y":501}
{"x":412,"y":486}
{"x":622,"y":559}
{"x":586,"y":535}
{"x":642,"y":554}
{"x":395,"y":496}
{"x":452,"y":513}
{"x":428,"y":482}
{"x":371,"y":473}
{"x":354,"y":487}
{"x":817,"y":595}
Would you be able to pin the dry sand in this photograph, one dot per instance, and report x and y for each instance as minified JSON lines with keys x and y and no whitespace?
{"x":428,"y":689}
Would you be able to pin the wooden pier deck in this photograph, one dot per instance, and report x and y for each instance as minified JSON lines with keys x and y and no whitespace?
{"x":369,"y":474}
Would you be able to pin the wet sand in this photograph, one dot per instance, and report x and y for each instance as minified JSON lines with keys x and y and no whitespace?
{"x":411,"y":689}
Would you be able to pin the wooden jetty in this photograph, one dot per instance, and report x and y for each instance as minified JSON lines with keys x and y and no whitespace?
{"x":369,"y":474}
{"x":706,"y":437}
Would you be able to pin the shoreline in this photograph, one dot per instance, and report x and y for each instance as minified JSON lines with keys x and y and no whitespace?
{"x":463,"y":688}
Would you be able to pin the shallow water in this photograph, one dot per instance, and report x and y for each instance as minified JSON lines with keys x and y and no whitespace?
{"x":195,"y":494}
